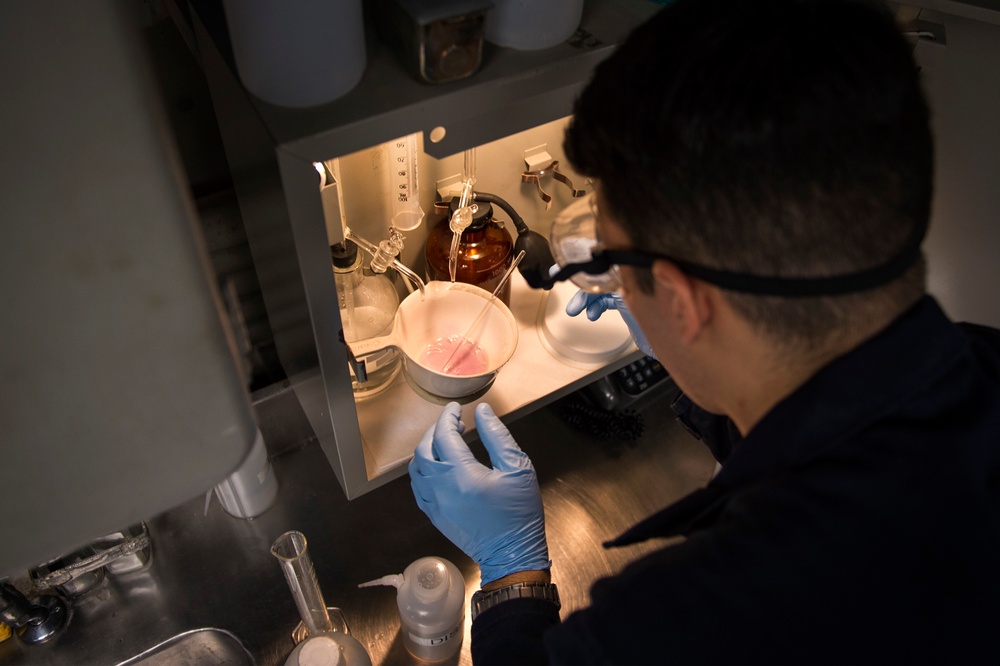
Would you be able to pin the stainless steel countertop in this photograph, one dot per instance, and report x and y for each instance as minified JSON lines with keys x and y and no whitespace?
{"x":217,"y":571}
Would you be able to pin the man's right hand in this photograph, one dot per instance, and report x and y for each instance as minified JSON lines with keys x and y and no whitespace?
{"x":494,"y":515}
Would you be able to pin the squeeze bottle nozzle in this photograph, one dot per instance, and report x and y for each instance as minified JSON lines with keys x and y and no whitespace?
{"x":396,"y":580}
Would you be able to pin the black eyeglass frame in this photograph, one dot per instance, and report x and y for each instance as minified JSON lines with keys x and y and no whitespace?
{"x":603,"y":261}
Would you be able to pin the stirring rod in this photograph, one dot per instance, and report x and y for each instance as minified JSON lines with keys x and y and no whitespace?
{"x":465,"y":340}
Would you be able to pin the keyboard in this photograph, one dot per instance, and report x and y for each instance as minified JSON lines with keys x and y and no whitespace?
{"x":640,"y":376}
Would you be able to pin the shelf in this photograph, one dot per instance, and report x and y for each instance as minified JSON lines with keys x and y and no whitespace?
{"x":512,"y":91}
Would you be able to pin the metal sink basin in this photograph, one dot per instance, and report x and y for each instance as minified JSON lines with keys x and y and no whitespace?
{"x":197,"y":647}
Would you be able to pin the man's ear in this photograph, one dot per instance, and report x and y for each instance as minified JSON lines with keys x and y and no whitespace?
{"x":685,"y":300}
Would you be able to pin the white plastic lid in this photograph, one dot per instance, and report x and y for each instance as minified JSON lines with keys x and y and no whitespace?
{"x":428,"y":579}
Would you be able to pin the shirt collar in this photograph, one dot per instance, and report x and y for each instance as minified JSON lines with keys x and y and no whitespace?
{"x":841,"y":399}
{"x":848,"y":394}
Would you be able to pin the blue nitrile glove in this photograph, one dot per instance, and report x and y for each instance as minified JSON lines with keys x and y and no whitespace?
{"x":596,"y":304}
{"x":494,"y":515}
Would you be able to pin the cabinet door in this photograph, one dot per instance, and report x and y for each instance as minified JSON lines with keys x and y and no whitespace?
{"x":119,"y":394}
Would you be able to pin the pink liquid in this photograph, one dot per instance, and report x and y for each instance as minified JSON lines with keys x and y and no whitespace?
{"x":469,"y":359}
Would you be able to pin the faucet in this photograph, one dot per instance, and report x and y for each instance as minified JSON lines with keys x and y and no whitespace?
{"x":37,"y":620}
{"x":123,"y":551}
{"x":42,"y":617}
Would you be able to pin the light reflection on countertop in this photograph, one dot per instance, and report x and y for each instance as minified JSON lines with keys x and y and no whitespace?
{"x":212,"y":570}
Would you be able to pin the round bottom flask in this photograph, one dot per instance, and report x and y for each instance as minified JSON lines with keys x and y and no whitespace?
{"x":368,"y":302}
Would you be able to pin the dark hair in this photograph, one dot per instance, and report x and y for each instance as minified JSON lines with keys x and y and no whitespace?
{"x":771,"y":137}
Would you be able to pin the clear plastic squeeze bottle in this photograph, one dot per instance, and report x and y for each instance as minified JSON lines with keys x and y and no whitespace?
{"x":431,"y":600}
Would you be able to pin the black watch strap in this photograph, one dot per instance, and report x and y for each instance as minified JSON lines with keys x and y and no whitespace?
{"x":483,"y":600}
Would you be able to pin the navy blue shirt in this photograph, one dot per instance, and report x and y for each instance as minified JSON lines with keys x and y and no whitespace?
{"x":858,"y":521}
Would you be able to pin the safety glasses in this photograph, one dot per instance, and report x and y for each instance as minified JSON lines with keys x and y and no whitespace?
{"x":582,"y":258}
{"x":580,"y":253}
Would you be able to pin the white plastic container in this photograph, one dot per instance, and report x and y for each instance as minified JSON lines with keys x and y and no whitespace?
{"x":531,"y":25}
{"x":297,"y":53}
{"x":431,"y":600}
{"x":253,"y":487}
{"x":368,"y":303}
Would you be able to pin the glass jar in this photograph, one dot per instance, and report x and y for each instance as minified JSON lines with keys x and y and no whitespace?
{"x":368,"y":303}
{"x":485,"y":250}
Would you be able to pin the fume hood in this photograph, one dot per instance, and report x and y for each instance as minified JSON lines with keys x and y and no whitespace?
{"x":512,"y":113}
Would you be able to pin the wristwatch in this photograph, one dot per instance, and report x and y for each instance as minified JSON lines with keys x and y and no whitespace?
{"x":483,"y":600}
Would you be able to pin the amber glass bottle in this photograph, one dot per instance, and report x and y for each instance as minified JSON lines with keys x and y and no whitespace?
{"x":484,"y":251}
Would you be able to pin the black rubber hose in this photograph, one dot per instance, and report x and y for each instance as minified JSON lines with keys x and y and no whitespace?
{"x":518,"y":221}
{"x":537,"y":253}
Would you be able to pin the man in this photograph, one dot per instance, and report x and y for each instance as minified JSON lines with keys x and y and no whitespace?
{"x":764,"y":178}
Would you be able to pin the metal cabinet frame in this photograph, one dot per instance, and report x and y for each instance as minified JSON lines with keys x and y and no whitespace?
{"x":271,"y":152}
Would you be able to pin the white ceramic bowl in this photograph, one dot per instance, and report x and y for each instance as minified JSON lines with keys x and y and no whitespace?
{"x":443,"y":310}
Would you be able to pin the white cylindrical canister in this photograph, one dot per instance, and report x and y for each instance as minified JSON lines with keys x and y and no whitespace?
{"x":297,"y":53}
{"x":531,"y":25}
{"x":253,"y":487}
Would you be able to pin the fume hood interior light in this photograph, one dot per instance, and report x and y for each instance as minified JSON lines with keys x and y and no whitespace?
{"x":325,"y":177}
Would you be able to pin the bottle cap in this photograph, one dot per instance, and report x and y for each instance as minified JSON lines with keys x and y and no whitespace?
{"x":344,"y":254}
{"x":430,"y":580}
